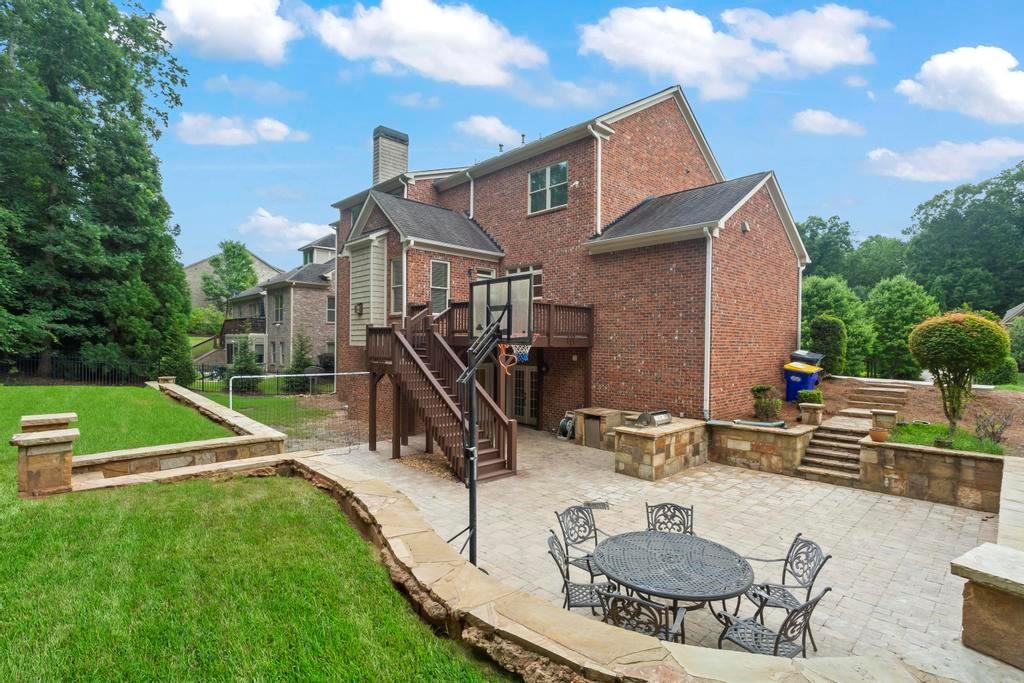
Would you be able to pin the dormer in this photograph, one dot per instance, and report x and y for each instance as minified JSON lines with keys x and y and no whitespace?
{"x":319,"y":251}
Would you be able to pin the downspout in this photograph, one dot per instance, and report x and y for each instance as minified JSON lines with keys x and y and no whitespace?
{"x":405,"y":187}
{"x":472,"y":195}
{"x":597,"y":209}
{"x":266,"y":333}
{"x":291,"y":321}
{"x":800,"y":305}
{"x":707,"y":323}
{"x":405,"y":277}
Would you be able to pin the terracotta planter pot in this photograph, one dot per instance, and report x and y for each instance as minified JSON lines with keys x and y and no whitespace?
{"x":879,"y":434}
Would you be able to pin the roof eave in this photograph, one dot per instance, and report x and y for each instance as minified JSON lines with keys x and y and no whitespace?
{"x":647,"y":239}
{"x":454,"y":248}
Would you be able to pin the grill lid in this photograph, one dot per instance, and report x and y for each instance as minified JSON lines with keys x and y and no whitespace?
{"x":653,"y":418}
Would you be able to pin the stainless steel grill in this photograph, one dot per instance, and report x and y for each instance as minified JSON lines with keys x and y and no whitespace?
{"x":653,"y":418}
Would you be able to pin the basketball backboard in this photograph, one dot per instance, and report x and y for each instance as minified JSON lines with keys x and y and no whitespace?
{"x":512,"y":296}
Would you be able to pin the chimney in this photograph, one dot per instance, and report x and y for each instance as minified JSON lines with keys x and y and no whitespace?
{"x":390,"y":153}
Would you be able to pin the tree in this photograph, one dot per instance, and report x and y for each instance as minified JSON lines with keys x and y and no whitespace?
{"x":829,"y":338}
{"x":955,"y":347}
{"x":876,"y":258}
{"x":833,"y":296}
{"x":896,"y":305}
{"x":1017,"y":341}
{"x":232,"y":272}
{"x":205,"y":320}
{"x":244,"y":364}
{"x":85,"y":87}
{"x":301,"y":359}
{"x":829,"y":244}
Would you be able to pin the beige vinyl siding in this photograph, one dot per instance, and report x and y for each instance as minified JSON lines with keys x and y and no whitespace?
{"x":367,"y":286}
{"x":379,"y":283}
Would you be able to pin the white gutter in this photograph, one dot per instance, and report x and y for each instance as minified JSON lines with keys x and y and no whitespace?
{"x":597,"y":210}
{"x":471,"y":194}
{"x":405,"y":187}
{"x":405,"y":277}
{"x":707,"y":324}
{"x":800,"y":305}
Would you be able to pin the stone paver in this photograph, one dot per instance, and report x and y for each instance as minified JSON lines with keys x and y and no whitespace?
{"x":892,"y":589}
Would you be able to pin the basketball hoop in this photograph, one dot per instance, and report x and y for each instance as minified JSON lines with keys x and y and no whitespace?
{"x":511,"y":354}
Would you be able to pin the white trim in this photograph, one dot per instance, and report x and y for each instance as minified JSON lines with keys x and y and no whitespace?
{"x":456,"y":250}
{"x":364,"y":240}
{"x":800,"y":305}
{"x":779,"y":200}
{"x":392,"y":183}
{"x":708,"y":262}
{"x":736,"y":207}
{"x":327,"y":309}
{"x":448,"y":284}
{"x":547,"y":188}
{"x":400,"y":262}
{"x":646,"y":239}
{"x":405,"y":188}
{"x":337,"y":297}
{"x":472,"y":195}
{"x":597,"y":204}
{"x":291,"y":318}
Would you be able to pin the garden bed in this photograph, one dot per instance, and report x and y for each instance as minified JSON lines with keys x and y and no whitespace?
{"x":926,"y":434}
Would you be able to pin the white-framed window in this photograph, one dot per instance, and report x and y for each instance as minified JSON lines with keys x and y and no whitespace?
{"x":397,"y":286}
{"x":549,"y":187}
{"x":485,"y":273}
{"x":258,"y":351}
{"x":538,"y":278}
{"x":439,"y":285}
{"x":279,"y":308}
{"x":331,"y":309}
{"x":273,"y":353}
{"x":284,"y":354}
{"x":307,"y":257}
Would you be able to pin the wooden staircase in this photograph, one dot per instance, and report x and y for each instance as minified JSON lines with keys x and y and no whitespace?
{"x":425,"y":369}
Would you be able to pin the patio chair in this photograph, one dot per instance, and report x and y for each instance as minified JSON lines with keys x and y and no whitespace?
{"x":789,"y":641}
{"x":802,"y":564}
{"x":576,"y":594}
{"x":643,"y":616}
{"x":579,"y":531}
{"x":670,"y":517}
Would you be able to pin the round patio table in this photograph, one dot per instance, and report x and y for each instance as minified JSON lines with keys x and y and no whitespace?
{"x":678,"y":567}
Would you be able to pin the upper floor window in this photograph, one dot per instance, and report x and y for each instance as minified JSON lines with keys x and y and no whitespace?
{"x":397,"y":287}
{"x":538,"y":278}
{"x":439,"y":284}
{"x":549,"y":187}
{"x":485,"y":273}
{"x":331,"y":310}
{"x":307,"y":256}
{"x":279,"y":308}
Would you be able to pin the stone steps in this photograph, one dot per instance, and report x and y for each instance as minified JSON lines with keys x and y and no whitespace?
{"x":847,"y":438}
{"x":874,"y":405}
{"x":813,"y":473}
{"x":831,"y":465}
{"x":856,"y":412}
{"x":831,"y":453}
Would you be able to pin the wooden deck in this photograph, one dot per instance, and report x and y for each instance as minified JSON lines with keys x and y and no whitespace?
{"x":554,"y":325}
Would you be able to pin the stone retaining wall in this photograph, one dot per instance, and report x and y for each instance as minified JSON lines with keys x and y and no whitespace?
{"x":768,"y":449}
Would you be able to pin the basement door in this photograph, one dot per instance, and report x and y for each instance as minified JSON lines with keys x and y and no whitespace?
{"x":523,"y":394}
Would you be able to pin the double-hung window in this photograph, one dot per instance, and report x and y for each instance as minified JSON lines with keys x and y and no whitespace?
{"x":549,"y":187}
{"x":279,"y":308}
{"x":331,"y":310}
{"x":439,"y":284}
{"x":397,"y":287}
{"x":538,"y":278}
{"x":258,"y":351}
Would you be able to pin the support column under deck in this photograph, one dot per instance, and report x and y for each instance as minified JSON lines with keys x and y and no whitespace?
{"x":396,"y":420}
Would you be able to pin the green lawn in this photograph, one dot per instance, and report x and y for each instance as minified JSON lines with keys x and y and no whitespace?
{"x":925,"y":435}
{"x":285,"y":413}
{"x":242,"y":579}
{"x":109,"y":418}
{"x":199,"y":350}
{"x":1019,"y":386}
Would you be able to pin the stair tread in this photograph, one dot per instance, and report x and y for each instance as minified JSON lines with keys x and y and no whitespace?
{"x":828,"y":473}
{"x":845,"y":437}
{"x":832,"y":453}
{"x":828,"y":464}
{"x":875,"y":404}
{"x":498,"y":474}
{"x":855,"y":412}
{"x":884,"y":390}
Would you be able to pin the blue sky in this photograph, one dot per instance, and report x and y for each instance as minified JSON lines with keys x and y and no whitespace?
{"x":863,"y":110}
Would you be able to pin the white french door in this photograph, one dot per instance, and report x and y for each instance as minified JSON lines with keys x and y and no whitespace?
{"x":522,"y":396}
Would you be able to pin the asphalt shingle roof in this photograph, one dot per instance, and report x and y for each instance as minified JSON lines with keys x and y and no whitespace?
{"x":309,"y":274}
{"x":434,"y":223}
{"x":326,"y":242}
{"x":1014,"y":312}
{"x":689,"y":207}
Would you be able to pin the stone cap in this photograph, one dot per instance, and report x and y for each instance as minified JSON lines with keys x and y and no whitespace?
{"x":993,"y":565}
{"x":790,"y":430}
{"x":678,"y":424}
{"x":44,"y":438}
{"x":880,"y":411}
{"x":931,"y":450}
{"x":811,"y":406}
{"x":166,"y":379}
{"x":48,"y":419}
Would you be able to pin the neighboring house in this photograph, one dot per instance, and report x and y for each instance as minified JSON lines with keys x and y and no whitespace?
{"x":659,"y":283}
{"x":1013,"y":314}
{"x":194,"y":276}
{"x":274,"y":313}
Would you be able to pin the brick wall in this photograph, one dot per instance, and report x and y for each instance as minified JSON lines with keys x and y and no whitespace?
{"x":418,"y":275}
{"x":305,"y":312}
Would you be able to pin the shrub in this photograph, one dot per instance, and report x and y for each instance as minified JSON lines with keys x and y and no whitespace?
{"x":244,"y":363}
{"x":326,"y":361}
{"x":301,"y":359}
{"x":810,"y":396}
{"x":990,"y":425}
{"x":895,"y":306}
{"x":833,"y":296}
{"x":828,"y":337}
{"x":1004,"y":373}
{"x":1017,"y":341}
{"x":767,"y":406}
{"x":955,"y":347}
{"x":205,"y":320}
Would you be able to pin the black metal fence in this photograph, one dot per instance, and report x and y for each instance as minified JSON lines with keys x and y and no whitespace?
{"x":60,"y":369}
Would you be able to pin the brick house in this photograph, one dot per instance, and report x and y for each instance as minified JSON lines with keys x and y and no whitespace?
{"x":194,"y":273}
{"x":273,"y":313}
{"x":659,"y":283}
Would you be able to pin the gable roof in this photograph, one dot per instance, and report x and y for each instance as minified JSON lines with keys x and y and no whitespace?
{"x":309,"y":274}
{"x":598,"y":125}
{"x":397,"y":183}
{"x":325,"y":242}
{"x":429,"y":224}
{"x":254,"y":256}
{"x":1015,"y":312}
{"x":692,"y":213}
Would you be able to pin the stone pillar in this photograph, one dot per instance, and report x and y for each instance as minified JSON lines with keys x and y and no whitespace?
{"x":44,"y":461}
{"x":812,"y":414}
{"x":47,"y":423}
{"x":993,"y":615}
{"x":166,"y":379}
{"x":883,"y":419}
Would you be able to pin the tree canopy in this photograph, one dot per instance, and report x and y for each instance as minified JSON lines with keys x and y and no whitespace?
{"x":828,"y":242}
{"x":896,"y":305}
{"x":831,"y":295}
{"x":233,"y":272}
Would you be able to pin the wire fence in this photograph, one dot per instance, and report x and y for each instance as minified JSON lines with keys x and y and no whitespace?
{"x":61,"y":369}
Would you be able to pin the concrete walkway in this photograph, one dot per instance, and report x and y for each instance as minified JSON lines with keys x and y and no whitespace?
{"x":892,"y":590}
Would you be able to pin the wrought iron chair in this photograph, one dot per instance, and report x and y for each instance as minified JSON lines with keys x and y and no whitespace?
{"x":754,"y":636}
{"x":642,"y":616}
{"x":576,"y":594}
{"x":580,"y":532}
{"x":670,"y":517}
{"x":802,"y":564}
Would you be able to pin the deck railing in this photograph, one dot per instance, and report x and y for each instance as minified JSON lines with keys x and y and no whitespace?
{"x":243,"y":325}
{"x":554,"y":324}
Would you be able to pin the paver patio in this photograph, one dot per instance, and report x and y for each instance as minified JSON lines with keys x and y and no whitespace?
{"x":892,"y":590}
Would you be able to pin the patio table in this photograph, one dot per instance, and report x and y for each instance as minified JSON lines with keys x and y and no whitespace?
{"x":677,"y":567}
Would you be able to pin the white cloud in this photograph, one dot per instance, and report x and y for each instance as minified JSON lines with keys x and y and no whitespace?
{"x":983,"y":82}
{"x":946,"y":161}
{"x":253,"y":89}
{"x":232,"y":29}
{"x":686,"y":45}
{"x":856,"y":81}
{"x":443,"y":42}
{"x":821,"y":122}
{"x":490,"y":129}
{"x":206,"y":129}
{"x":551,"y":92}
{"x":417,"y":100}
{"x":279,"y":233}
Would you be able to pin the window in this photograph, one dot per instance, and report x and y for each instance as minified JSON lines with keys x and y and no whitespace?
{"x":258,"y":351}
{"x":485,"y":274}
{"x":273,"y":353}
{"x":254,"y":309}
{"x":278,"y":308}
{"x":397,"y":287}
{"x":538,"y":278}
{"x":331,"y":310}
{"x":439,"y":271}
{"x":330,"y":349}
{"x":231,"y":352}
{"x":284,"y":355}
{"x":307,"y":256}
{"x":549,"y":187}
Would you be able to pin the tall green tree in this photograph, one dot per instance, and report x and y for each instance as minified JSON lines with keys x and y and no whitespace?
{"x":829,"y":243}
{"x":233,"y":272}
{"x":874,"y":259}
{"x":833,"y":296}
{"x":967,"y":244}
{"x":1016,"y":330}
{"x":85,"y":88}
{"x":896,"y":305}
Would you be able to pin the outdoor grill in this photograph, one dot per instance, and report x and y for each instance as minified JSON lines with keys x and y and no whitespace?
{"x":653,"y":418}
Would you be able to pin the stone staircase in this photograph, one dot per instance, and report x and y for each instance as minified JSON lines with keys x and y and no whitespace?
{"x":875,"y":396}
{"x":833,"y":452}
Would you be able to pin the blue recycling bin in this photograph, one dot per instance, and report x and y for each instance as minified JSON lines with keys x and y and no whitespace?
{"x":800,"y":376}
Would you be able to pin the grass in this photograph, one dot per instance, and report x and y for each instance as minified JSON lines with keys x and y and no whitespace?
{"x":241,"y":579}
{"x":1019,"y":386}
{"x":109,"y":418}
{"x":281,"y":412}
{"x":925,"y":435}
{"x":199,"y":350}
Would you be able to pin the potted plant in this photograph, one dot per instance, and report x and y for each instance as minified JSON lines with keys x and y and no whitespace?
{"x":812,"y":406}
{"x":878,"y":433}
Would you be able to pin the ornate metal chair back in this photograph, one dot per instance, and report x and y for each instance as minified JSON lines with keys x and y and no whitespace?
{"x":797,"y":622}
{"x":670,"y":517}
{"x":634,"y":614}
{"x":577,"y":524}
{"x":557,"y":553}
{"x":804,"y":562}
